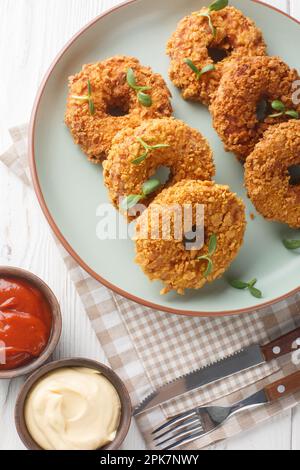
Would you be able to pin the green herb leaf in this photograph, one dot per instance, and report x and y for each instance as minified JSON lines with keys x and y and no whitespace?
{"x":212,"y":246}
{"x":278,"y":106}
{"x":145,"y":99}
{"x":255,"y":292}
{"x":291,"y":244}
{"x":292,"y":113}
{"x":276,"y":115}
{"x":151,"y":186}
{"x":89,"y":88}
{"x":218,"y":5}
{"x":199,"y":73}
{"x":239,"y":284}
{"x":213,"y":242}
{"x":148,"y":148}
{"x":209,"y":268}
{"x":144,"y":88}
{"x":212,"y":28}
{"x":247,"y":285}
{"x":91,"y":106}
{"x":208,"y":68}
{"x":91,"y":102}
{"x":130,"y":201}
{"x":210,"y":265}
{"x":143,"y":143}
{"x":140,"y":159}
{"x":252,"y":283}
{"x":192,"y":66}
{"x":133,"y":199}
{"x":151,"y":147}
{"x":159,"y":146}
{"x":80,"y":98}
{"x":87,"y":98}
{"x":131,"y":78}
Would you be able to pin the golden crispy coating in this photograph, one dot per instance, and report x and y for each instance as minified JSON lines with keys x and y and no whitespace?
{"x":267,"y":174}
{"x":167,"y":259}
{"x":188,"y":156}
{"x":245,"y":83}
{"x":116,"y":103}
{"x":236,"y":36}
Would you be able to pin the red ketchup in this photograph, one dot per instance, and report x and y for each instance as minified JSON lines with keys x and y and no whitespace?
{"x":25,"y":323}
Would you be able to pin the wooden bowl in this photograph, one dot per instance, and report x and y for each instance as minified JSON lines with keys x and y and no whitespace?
{"x":126,"y":407}
{"x":6,"y":271}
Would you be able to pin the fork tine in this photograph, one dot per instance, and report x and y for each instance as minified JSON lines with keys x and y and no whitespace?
{"x":181,"y":434}
{"x":175,"y":420}
{"x":177,"y":427}
{"x":187,"y":440}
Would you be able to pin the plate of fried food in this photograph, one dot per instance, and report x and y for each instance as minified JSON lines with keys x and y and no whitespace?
{"x":165,"y":153}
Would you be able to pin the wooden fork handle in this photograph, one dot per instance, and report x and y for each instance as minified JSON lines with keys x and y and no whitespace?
{"x":282,"y":346}
{"x":283,"y":387}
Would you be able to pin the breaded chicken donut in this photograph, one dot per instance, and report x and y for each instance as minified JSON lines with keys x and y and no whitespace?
{"x":115,"y":103}
{"x":246,"y":84}
{"x":236,"y":36}
{"x":183,"y":150}
{"x":268,"y":174}
{"x":166,"y":258}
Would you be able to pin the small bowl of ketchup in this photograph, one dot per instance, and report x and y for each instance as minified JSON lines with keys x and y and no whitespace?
{"x":30,"y":322}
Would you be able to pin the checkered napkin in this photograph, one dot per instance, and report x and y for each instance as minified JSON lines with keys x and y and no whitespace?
{"x":148,"y":348}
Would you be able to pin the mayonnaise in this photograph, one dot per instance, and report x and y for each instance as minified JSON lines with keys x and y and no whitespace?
{"x":73,"y":409}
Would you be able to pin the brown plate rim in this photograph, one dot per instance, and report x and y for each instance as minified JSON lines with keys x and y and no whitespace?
{"x":57,"y":231}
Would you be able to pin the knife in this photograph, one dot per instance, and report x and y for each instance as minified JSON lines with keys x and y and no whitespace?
{"x":245,"y":359}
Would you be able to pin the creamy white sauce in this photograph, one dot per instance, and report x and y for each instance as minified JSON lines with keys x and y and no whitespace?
{"x":73,"y":409}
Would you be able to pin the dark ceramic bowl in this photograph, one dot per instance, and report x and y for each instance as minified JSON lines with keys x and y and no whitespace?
{"x":6,"y":271}
{"x":126,"y":408}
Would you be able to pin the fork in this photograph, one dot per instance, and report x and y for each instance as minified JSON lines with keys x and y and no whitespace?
{"x":198,"y":422}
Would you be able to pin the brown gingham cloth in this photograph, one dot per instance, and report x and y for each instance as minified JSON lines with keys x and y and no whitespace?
{"x":148,"y":348}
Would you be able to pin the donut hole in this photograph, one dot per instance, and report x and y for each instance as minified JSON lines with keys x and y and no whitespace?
{"x":163,"y":174}
{"x":294,"y":175}
{"x":262,"y":109}
{"x":117,"y":108}
{"x":217,"y":54}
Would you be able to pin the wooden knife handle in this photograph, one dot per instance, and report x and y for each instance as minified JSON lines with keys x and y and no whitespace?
{"x":282,"y":346}
{"x":283,"y":387}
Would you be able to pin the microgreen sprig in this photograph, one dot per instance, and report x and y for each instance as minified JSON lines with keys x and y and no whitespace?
{"x":212,"y":246}
{"x":148,"y":149}
{"x":215,"y":6}
{"x":250,"y":286}
{"x":198,"y":72}
{"x":87,"y":98}
{"x":279,"y":106}
{"x":212,"y":27}
{"x":218,"y":5}
{"x":133,"y":199}
{"x":143,"y":97}
{"x":291,"y":244}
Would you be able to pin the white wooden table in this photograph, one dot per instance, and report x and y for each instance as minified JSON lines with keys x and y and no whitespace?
{"x":31,"y":33}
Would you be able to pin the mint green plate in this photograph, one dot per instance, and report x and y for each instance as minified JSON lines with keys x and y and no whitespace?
{"x":70,"y":189}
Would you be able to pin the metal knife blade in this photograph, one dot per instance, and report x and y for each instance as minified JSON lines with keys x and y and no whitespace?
{"x":238,"y":362}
